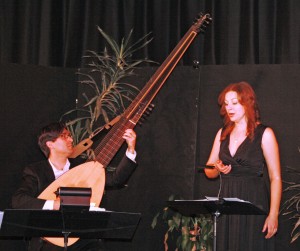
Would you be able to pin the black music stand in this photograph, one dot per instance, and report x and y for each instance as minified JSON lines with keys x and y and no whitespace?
{"x":83,"y":224}
{"x":216,"y":207}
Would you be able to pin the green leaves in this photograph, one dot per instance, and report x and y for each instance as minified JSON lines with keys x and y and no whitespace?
{"x":192,"y":232}
{"x":292,"y":205}
{"x":105,"y":90}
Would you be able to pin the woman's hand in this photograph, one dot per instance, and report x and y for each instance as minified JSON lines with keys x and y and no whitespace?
{"x":222,"y":168}
{"x":271,"y":224}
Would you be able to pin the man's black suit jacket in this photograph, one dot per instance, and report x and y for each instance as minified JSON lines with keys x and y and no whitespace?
{"x":38,"y":176}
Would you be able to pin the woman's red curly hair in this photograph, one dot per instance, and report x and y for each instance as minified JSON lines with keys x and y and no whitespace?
{"x":247,"y":98}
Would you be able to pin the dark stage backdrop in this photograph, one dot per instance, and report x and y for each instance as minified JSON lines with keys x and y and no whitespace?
{"x":174,"y":140}
{"x":58,"y":32}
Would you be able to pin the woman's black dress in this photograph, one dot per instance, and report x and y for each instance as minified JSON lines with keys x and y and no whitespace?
{"x":248,"y":180}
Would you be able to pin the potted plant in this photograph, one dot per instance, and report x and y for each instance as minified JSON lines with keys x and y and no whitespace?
{"x":105,"y":90}
{"x":291,"y":206}
{"x":191,"y":233}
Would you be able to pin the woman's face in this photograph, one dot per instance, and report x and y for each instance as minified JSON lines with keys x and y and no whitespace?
{"x":235,"y":110}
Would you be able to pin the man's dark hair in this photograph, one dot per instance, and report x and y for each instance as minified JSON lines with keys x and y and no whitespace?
{"x":49,"y":133}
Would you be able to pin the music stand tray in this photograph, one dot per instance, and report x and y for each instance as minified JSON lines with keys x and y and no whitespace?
{"x":210,"y":205}
{"x":216,"y":207}
{"x":83,"y":224}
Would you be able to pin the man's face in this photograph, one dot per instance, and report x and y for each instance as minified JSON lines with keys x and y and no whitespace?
{"x":63,"y":145}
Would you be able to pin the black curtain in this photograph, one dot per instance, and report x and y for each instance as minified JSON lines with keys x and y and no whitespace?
{"x":58,"y":32}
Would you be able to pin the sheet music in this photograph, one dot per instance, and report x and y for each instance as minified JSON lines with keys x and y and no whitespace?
{"x":94,"y":208}
{"x":226,"y":199}
{"x":207,"y":198}
{"x":1,"y":218}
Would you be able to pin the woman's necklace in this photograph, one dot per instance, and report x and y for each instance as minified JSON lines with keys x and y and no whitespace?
{"x":237,"y":139}
{"x":239,"y":136}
